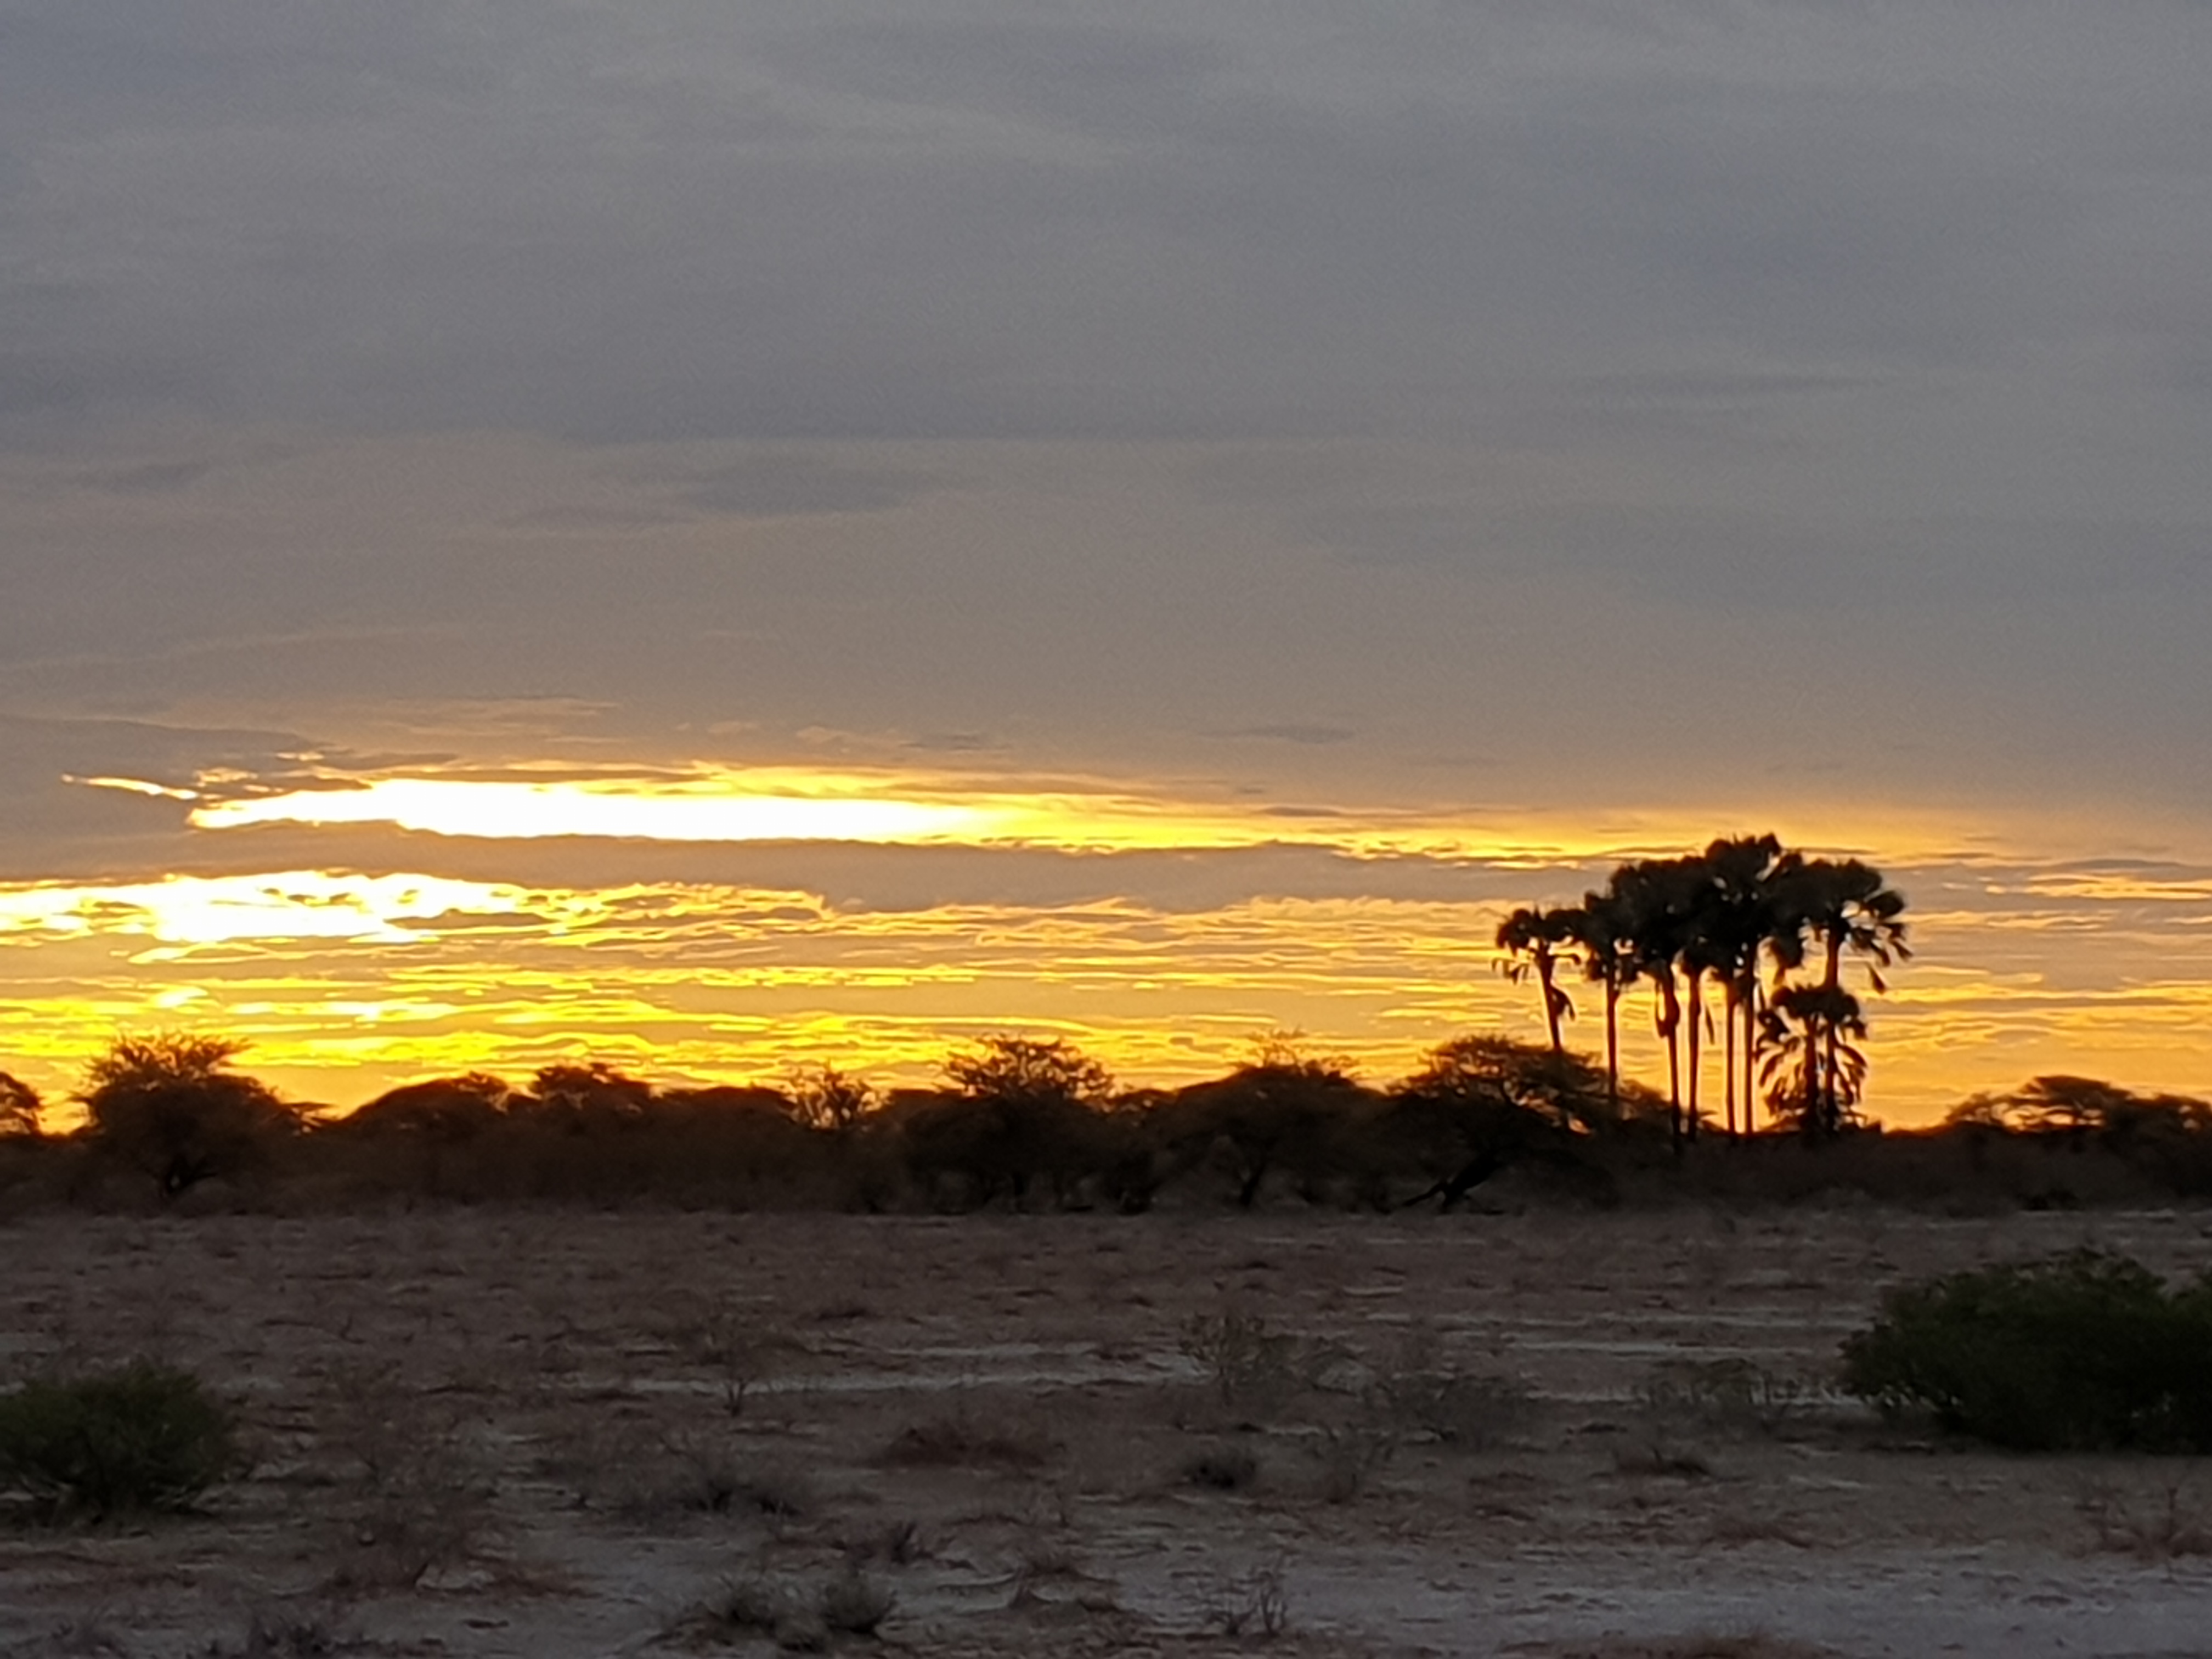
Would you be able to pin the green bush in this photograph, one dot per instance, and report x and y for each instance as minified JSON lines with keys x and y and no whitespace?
{"x":144,"y":1439}
{"x":2076,"y":1352}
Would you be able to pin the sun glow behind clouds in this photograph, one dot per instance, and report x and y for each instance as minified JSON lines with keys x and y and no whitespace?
{"x":707,"y":805}
{"x":297,"y":905}
{"x":510,"y":809}
{"x":347,"y":983}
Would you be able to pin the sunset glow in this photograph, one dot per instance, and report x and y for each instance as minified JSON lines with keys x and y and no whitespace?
{"x":809,"y":532}
{"x":707,"y":805}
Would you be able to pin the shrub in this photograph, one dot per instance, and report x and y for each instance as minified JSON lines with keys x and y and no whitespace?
{"x":2079,"y":1351}
{"x":1252,"y":1368}
{"x":855,"y":1604}
{"x":145,"y":1438}
{"x":1220,"y":1468}
{"x":1466,"y":1413}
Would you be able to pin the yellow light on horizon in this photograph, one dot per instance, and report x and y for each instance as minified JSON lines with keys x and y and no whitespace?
{"x":297,"y":904}
{"x":710,"y":805}
{"x":510,"y":809}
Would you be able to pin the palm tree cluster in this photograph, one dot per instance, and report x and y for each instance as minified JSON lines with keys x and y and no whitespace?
{"x":1764,"y":928}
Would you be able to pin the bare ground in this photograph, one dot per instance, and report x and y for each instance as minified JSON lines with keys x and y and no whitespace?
{"x":552,"y":1433}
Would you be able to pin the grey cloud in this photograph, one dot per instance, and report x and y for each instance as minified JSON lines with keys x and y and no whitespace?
{"x":954,"y":742}
{"x":1306,"y":732}
{"x":1877,"y":316}
{"x":443,"y":225}
{"x":149,"y":478}
{"x":1112,"y":81}
{"x":785,"y":484}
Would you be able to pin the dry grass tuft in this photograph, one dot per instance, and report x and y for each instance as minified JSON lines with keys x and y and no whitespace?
{"x":956,"y":1440}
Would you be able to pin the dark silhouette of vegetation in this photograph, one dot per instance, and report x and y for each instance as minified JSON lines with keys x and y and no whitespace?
{"x":1533,"y":941}
{"x":823,"y":1098}
{"x":2084,"y":1352}
{"x":20,"y":1107}
{"x":1746,"y":942}
{"x":1713,"y":919}
{"x":169,"y":1106}
{"x":1024,"y":1124}
{"x":143,"y":1439}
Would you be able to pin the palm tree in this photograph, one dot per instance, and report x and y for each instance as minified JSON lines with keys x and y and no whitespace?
{"x":1732,"y":928}
{"x":1816,"y":1071}
{"x":1603,"y":928}
{"x":1537,"y":934}
{"x":1658,"y":897}
{"x":1839,"y":905}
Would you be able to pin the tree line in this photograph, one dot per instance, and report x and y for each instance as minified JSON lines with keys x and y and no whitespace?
{"x":1035,"y":1124}
{"x":1764,"y":929}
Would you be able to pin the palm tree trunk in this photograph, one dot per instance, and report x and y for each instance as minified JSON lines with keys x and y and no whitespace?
{"x":1751,"y":1056}
{"x":1669,"y":1022}
{"x":1544,"y":966}
{"x":1613,"y":1043}
{"x":1727,"y":1055}
{"x":1697,"y":977}
{"x":1829,"y":1036}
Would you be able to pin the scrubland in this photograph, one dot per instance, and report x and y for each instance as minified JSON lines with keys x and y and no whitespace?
{"x":1525,"y":1427}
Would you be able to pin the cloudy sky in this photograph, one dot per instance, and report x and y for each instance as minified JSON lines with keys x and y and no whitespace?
{"x":709,"y":535}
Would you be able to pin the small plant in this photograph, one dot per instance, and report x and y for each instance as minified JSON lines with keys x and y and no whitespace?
{"x":712,"y":1482}
{"x":797,"y":1619}
{"x":771,"y":1606}
{"x":956,"y":1438}
{"x":1353,"y":1454}
{"x":145,"y":1439}
{"x":727,"y":1340}
{"x":1252,"y":1368}
{"x":2080,"y":1351}
{"x":2163,"y":1527}
{"x":1221,"y":1469}
{"x":1466,"y":1413}
{"x":288,"y":1636}
{"x":1254,"y":1605}
{"x":1734,"y":1396}
{"x":419,"y":1500}
{"x":853,"y":1604}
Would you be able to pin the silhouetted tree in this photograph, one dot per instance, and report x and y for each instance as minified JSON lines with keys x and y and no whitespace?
{"x":1835,"y":906}
{"x":1816,"y":1070}
{"x":1286,"y":1112}
{"x":1012,"y":1068}
{"x":1659,"y":897}
{"x":169,"y":1106}
{"x":1604,"y":935}
{"x":1481,"y":1104}
{"x":448,"y":1109}
{"x":2058,"y":1104}
{"x":587,"y":1098}
{"x":823,"y":1098}
{"x":1531,"y":939}
{"x":1731,"y":930}
{"x":19,"y":1107}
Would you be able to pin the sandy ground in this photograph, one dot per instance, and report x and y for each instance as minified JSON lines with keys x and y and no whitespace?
{"x":550,"y":1433}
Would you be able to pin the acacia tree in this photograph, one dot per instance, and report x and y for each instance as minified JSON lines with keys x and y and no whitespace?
{"x":170,"y":1105}
{"x":1029,"y":1071}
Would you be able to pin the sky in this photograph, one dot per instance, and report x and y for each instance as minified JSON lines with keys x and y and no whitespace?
{"x":716,"y":536}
